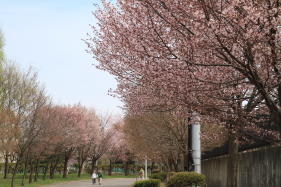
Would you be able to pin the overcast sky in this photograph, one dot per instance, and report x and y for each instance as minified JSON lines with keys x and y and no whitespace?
{"x":46,"y":34}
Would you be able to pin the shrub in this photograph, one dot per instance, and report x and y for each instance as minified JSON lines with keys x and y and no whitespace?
{"x":155,"y":170}
{"x":169,"y":175}
{"x":161,"y":176}
{"x":186,"y":179}
{"x":147,"y":183}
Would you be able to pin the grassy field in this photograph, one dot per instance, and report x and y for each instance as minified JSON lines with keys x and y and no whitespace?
{"x":58,"y":178}
{"x":40,"y":182}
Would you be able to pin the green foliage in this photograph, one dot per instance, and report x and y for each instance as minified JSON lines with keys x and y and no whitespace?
{"x":169,"y":175}
{"x":161,"y":176}
{"x":186,"y":179}
{"x":147,"y":183}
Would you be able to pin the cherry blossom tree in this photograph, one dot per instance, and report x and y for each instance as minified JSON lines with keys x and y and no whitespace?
{"x":89,"y":129}
{"x":217,"y":58}
{"x":8,"y":134}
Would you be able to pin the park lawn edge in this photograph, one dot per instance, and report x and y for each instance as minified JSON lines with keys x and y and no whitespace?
{"x":41,"y":182}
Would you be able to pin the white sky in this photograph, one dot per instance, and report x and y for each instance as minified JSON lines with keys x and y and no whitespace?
{"x":46,"y":34}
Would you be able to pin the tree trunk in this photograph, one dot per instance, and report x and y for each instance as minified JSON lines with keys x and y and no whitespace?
{"x":31,"y":171}
{"x":52,"y":171}
{"x":45,"y":171}
{"x":175,"y":165}
{"x":36,"y":170}
{"x":53,"y":167}
{"x":66,"y":159}
{"x":276,"y":118}
{"x":185,"y":161}
{"x":6,"y":165}
{"x":180,"y":162}
{"x":233,"y":159}
{"x":110,"y":167}
{"x":80,"y":167}
{"x":15,"y":171}
{"x":172,"y":162}
{"x":152,"y":166}
{"x":24,"y":172}
{"x":93,"y":164}
{"x":126,"y":168}
{"x":168,"y":165}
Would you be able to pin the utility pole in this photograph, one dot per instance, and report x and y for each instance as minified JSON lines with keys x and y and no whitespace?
{"x":196,"y":142}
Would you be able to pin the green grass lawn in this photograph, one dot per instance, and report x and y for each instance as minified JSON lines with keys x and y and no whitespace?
{"x":57,"y":179}
{"x":40,"y":182}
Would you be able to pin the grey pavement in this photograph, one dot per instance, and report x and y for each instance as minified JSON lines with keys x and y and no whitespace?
{"x":105,"y":183}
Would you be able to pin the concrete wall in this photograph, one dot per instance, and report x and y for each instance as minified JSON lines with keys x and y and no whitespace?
{"x":257,"y":168}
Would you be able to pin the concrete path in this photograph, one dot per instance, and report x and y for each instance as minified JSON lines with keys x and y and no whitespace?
{"x":105,"y":183}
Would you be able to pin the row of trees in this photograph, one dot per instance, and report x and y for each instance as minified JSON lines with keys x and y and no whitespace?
{"x":163,"y":139}
{"x":220,"y":59}
{"x":37,"y":136}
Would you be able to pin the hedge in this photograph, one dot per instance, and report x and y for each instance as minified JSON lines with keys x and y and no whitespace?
{"x":186,"y":179}
{"x":147,"y":183}
{"x":161,"y":176}
{"x":169,"y":175}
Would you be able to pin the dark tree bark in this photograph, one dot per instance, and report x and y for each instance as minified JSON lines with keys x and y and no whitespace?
{"x":53,"y":167}
{"x":180,"y":162}
{"x":126,"y":168}
{"x":67,"y":156}
{"x":110,"y":167}
{"x":93,"y":164}
{"x":185,"y":161}
{"x":52,"y":171}
{"x":169,"y":165}
{"x":36,"y":170}
{"x":276,"y":117}
{"x":45,"y":171}
{"x":31,"y":171}
{"x":81,"y":161}
{"x":66,"y":159}
{"x":24,"y":171}
{"x":15,"y":171}
{"x":6,"y":157}
{"x":82,"y":157}
{"x":80,"y":167}
{"x":175,"y":165}
{"x":233,"y":159}
{"x":152,"y":166}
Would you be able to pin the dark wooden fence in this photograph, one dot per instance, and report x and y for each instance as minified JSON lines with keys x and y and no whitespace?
{"x":257,"y":168}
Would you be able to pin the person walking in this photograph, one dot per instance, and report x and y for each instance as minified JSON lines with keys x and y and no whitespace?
{"x":99,"y":177}
{"x":94,"y":177}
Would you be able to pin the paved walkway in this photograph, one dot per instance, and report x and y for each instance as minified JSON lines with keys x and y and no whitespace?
{"x":105,"y":183}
